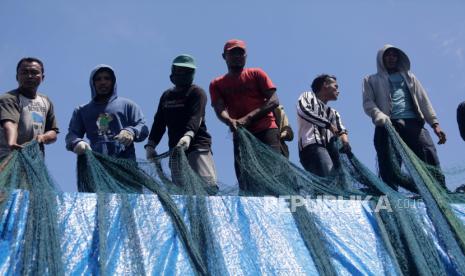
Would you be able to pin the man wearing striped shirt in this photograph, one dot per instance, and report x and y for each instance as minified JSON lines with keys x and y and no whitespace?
{"x":318,"y":125}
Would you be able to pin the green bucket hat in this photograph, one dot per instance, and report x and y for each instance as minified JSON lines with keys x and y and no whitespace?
{"x":184,"y":61}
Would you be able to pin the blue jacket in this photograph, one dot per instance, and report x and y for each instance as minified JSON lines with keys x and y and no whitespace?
{"x":102,"y":121}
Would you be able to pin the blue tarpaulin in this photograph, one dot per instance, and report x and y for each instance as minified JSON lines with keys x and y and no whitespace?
{"x":253,"y":235}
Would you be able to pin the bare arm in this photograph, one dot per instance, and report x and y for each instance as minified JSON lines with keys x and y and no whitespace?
{"x":344,"y":138}
{"x":11,"y":134}
{"x":261,"y":111}
{"x":223,"y":114}
{"x":48,"y":137}
{"x":440,"y":133}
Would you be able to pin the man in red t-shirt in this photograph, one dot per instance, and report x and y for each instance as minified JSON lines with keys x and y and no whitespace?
{"x":245,"y":97}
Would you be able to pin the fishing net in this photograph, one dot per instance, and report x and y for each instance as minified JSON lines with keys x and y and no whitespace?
{"x":25,"y":169}
{"x":267,"y":173}
{"x":103,"y":175}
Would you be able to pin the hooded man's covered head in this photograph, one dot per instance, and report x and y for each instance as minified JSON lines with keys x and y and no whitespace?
{"x":402,"y":63}
{"x":103,"y":82}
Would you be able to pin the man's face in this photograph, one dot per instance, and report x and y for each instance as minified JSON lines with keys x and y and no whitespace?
{"x":331,"y":89}
{"x":179,"y":70}
{"x":29,"y":75}
{"x":103,"y":83}
{"x":235,"y":57}
{"x":390,"y":59}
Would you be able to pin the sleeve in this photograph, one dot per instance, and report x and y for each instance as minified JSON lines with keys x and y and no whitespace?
{"x":9,"y":108}
{"x":197,"y":101}
{"x":264,"y":80}
{"x":306,"y":109}
{"x":283,"y":123}
{"x":461,"y":119}
{"x":369,"y":105}
{"x":424,"y":103}
{"x":50,"y":121}
{"x":136,"y":122}
{"x":159,"y":124}
{"x":76,"y":130}
{"x":338,"y":122}
{"x":214,"y":92}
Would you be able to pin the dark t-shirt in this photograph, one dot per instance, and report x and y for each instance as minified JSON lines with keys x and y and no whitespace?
{"x":33,"y":116}
{"x":182,"y":111}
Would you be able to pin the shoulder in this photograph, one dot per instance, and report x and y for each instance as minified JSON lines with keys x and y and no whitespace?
{"x":9,"y":96}
{"x":256,"y":71}
{"x":370,"y":77}
{"x":197,"y":90}
{"x":461,"y":107}
{"x":334,"y":111}
{"x":166,"y":93}
{"x":307,"y":95}
{"x":44,"y":97}
{"x":125,"y":101}
{"x":217,"y":80}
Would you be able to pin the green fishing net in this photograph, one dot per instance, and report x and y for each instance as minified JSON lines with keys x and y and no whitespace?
{"x":267,"y":174}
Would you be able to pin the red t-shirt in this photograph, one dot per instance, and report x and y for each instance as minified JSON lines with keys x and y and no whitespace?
{"x":243,"y":93}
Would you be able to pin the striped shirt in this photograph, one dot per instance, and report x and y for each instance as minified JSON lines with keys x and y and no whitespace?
{"x":314,"y":119}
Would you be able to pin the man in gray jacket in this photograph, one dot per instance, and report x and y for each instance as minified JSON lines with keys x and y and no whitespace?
{"x":394,"y":95}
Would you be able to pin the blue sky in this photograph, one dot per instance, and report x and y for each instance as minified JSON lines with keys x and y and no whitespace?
{"x":293,"y":42}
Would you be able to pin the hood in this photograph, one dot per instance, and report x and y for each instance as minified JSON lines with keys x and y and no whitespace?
{"x":404,"y":62}
{"x":91,"y":83}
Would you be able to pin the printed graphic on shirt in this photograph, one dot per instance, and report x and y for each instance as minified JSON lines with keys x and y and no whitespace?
{"x":176,"y":103}
{"x":103,"y":123}
{"x":36,"y":106}
{"x":37,"y":120}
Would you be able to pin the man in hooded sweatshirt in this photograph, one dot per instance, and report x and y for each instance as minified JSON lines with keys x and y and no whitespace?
{"x":181,"y":109}
{"x":394,"y":95}
{"x":111,"y":123}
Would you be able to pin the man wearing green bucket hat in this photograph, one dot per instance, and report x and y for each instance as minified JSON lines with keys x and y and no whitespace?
{"x":181,"y":109}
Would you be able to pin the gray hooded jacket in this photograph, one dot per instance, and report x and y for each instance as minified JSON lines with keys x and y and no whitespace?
{"x":377,"y":96}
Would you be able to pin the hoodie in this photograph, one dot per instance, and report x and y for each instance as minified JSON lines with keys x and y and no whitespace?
{"x":102,"y":121}
{"x":376,"y":91}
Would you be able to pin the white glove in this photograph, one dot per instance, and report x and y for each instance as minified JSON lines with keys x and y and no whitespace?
{"x":382,"y":119}
{"x":125,"y":137}
{"x":81,"y":147}
{"x":150,"y":152}
{"x":184,"y":142}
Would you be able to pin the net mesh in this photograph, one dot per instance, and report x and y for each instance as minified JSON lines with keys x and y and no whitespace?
{"x":267,"y":174}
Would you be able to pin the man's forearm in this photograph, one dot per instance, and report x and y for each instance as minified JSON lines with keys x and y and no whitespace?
{"x":49,"y":137}
{"x":268,"y":106}
{"x":222,"y":114}
{"x":11,"y":132}
{"x":344,"y":138}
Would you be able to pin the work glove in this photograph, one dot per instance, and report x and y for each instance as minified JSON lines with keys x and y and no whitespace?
{"x":150,"y":152}
{"x":382,"y":120}
{"x":125,"y":137}
{"x":81,"y":147}
{"x":184,"y":142}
